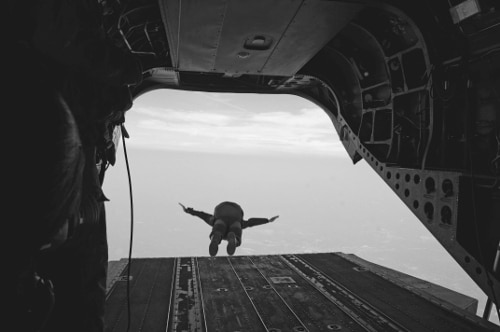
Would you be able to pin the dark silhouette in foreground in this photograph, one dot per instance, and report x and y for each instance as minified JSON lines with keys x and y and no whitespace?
{"x":227,"y":224}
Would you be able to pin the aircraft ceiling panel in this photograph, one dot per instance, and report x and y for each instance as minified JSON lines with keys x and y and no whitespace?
{"x":251,"y":37}
{"x":315,"y":24}
{"x":193,"y":29}
{"x":247,"y":41}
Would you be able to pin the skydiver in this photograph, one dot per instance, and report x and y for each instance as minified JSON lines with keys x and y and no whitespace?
{"x":227,"y":224}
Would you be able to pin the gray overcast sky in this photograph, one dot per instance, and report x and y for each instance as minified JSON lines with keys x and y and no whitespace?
{"x":231,"y":124}
{"x":273,"y":154}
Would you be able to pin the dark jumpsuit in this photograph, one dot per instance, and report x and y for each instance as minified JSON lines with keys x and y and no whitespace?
{"x":227,"y":217}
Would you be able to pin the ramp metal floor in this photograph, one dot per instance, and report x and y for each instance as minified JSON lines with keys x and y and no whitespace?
{"x":275,"y":293}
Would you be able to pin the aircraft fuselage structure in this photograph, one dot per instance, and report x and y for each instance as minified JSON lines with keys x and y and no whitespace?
{"x":411,"y":87}
{"x":408,"y":90}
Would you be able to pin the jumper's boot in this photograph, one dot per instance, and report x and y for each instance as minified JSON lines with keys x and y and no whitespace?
{"x":214,"y":243}
{"x":232,"y":243}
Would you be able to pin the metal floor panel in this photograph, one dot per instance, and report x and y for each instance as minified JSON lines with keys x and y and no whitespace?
{"x":150,"y":292}
{"x":227,"y":307}
{"x":273,"y":310}
{"x":411,"y":311}
{"x":313,"y":308}
{"x":273,"y":293}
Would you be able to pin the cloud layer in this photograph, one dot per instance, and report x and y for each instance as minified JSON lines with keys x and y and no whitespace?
{"x":230,"y":128}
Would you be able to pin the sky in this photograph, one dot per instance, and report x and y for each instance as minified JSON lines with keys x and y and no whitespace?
{"x":274,"y":155}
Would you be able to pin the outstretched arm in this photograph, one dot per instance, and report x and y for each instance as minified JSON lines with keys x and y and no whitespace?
{"x":257,"y":221}
{"x":208,"y":218}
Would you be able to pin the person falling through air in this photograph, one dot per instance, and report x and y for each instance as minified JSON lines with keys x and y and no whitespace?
{"x":227,"y":224}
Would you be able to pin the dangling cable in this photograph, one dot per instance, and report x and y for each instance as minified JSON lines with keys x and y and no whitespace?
{"x":125,"y":135}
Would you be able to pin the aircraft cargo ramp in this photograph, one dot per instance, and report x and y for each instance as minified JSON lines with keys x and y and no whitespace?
{"x":280,"y":293}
